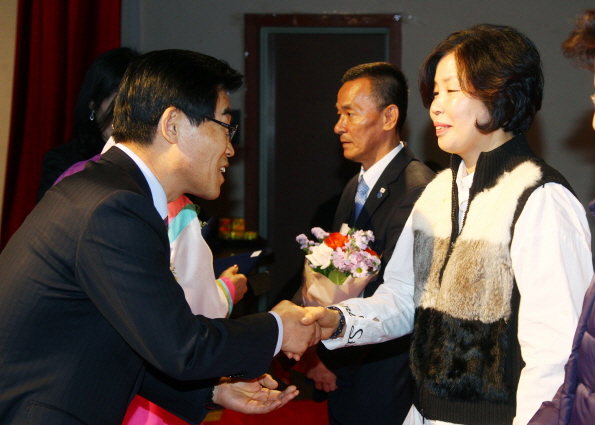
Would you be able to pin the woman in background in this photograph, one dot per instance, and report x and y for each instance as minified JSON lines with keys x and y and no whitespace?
{"x":574,"y":403}
{"x":93,"y":116}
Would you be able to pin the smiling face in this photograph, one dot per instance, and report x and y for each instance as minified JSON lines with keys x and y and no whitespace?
{"x":205,"y":151}
{"x":455,"y":113}
{"x":366,"y":134}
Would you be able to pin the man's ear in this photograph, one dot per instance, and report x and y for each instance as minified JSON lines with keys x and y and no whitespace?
{"x":391,"y":117}
{"x":169,"y":124}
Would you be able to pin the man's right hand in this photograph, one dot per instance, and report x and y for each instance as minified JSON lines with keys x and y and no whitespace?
{"x":252,"y":397}
{"x":327,"y":319}
{"x":299,"y":329}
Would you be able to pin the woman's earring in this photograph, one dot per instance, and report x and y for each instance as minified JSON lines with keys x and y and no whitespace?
{"x":92,"y":117}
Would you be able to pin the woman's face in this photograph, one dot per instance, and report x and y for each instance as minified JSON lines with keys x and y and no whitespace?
{"x":455,"y":113}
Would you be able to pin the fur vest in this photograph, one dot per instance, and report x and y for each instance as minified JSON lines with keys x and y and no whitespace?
{"x":465,"y":352}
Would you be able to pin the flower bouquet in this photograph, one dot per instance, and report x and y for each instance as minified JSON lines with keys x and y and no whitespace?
{"x":338,"y":266}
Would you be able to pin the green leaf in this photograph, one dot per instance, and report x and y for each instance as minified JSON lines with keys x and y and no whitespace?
{"x":337,"y":277}
{"x":323,"y":272}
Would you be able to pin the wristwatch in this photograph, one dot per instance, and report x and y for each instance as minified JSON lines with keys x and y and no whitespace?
{"x":341,"y":324}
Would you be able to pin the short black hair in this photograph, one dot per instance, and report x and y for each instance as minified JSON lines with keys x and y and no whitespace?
{"x":499,"y":66}
{"x":580,"y":45}
{"x":189,"y":81}
{"x":389,"y":85}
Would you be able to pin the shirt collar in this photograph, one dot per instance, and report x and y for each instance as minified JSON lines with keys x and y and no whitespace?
{"x":464,"y":182}
{"x":372,"y":174}
{"x":110,"y":142}
{"x":159,"y":197}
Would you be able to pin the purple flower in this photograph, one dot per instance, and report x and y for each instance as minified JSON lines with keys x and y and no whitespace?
{"x":303,"y":241}
{"x":319,"y":233}
{"x":356,"y":257}
{"x":361,"y":239}
{"x":359,"y":270}
{"x":372,"y":262}
{"x":339,"y":260}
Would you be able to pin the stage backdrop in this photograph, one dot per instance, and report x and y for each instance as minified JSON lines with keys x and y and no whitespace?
{"x":56,"y":42}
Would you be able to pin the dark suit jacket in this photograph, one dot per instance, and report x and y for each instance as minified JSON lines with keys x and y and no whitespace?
{"x":387,"y":207}
{"x":371,"y":369}
{"x":90,"y":313}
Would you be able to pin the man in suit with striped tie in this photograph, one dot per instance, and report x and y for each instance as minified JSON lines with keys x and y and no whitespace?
{"x":372,"y":384}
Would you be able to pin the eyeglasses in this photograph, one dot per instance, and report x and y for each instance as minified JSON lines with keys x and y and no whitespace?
{"x":231,"y":130}
{"x":593,"y":98}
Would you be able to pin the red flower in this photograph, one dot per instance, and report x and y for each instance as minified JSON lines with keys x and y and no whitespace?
{"x":369,"y":251}
{"x":336,"y":240}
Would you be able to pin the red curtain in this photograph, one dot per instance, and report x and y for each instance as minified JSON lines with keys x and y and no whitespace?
{"x":56,"y":42}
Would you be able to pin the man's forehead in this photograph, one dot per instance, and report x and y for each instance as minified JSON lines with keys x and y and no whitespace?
{"x":352,"y":93}
{"x":223,"y":104}
{"x":344,"y":105}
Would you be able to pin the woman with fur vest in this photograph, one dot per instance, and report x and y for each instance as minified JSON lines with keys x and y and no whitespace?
{"x":491,"y":268}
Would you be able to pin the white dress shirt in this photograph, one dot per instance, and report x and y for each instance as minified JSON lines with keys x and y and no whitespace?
{"x":159,"y":197}
{"x":551,"y":260}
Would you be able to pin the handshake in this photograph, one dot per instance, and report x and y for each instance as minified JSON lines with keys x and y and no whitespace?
{"x":304,"y":327}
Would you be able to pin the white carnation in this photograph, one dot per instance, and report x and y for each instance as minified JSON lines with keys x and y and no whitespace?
{"x":320,"y":256}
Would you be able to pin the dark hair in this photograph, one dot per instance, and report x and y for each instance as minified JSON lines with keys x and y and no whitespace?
{"x":580,"y":45}
{"x":497,"y":65}
{"x":389,"y":85}
{"x":101,"y":81}
{"x":189,"y":81}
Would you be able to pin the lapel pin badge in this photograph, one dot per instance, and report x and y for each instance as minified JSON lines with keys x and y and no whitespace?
{"x":382,"y":190}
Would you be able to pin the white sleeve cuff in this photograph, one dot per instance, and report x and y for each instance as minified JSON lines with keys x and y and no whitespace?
{"x":280,"y":337}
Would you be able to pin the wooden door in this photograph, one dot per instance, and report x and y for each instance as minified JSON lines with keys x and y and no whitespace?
{"x":294,"y":181}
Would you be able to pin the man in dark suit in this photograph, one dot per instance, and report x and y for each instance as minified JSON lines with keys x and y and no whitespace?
{"x":372,"y":384}
{"x":90,"y":313}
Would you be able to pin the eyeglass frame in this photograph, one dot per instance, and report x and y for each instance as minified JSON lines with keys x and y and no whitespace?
{"x":231,"y":130}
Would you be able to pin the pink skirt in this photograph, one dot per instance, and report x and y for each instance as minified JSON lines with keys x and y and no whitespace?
{"x":142,"y":412}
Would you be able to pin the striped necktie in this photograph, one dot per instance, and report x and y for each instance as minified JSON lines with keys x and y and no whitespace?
{"x":360,"y":196}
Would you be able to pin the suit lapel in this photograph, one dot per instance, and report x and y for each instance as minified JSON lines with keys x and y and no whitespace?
{"x":345,"y":209}
{"x":381,"y":189}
